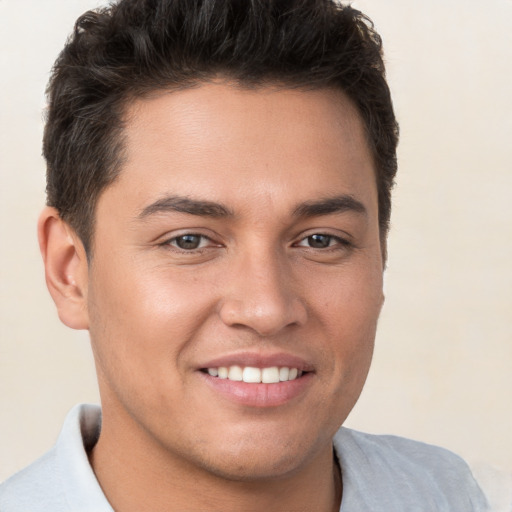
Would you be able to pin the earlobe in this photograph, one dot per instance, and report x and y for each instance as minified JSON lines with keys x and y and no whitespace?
{"x":66,"y":268}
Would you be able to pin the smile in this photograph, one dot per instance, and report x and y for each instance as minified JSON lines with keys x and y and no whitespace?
{"x":253,"y":375}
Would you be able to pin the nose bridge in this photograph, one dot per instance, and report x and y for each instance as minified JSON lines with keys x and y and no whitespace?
{"x":262,"y":293}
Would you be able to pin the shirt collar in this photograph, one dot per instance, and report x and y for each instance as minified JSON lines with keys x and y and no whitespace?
{"x":78,"y":436}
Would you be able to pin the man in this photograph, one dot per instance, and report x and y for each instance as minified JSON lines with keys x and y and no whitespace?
{"x":219,"y":178}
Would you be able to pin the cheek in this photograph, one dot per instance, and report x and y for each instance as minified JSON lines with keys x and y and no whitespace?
{"x":347,"y":309}
{"x":138,"y":297}
{"x":349,"y":299}
{"x":141,"y":321}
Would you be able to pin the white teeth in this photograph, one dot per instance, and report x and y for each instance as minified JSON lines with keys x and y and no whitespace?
{"x":284,"y":373}
{"x":253,"y":375}
{"x":235,"y":373}
{"x":270,"y":375}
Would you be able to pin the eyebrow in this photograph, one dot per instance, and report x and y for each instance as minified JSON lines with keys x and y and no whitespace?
{"x":203,"y":208}
{"x":186,"y":205}
{"x":330,"y":205}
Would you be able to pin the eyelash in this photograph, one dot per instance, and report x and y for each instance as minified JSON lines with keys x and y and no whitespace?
{"x":339,"y":242}
{"x":203,"y":238}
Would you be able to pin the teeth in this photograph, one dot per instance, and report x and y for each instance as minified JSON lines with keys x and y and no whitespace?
{"x":235,"y":373}
{"x":250,"y":374}
{"x":270,"y":375}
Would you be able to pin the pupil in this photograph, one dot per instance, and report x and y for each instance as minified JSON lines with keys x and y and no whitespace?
{"x":188,"y":241}
{"x":319,"y":241}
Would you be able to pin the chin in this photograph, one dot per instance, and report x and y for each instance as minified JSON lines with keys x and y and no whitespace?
{"x":263,"y":457}
{"x":256,"y":467}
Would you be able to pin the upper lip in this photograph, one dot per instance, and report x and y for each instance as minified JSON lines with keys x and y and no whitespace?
{"x":259,"y":360}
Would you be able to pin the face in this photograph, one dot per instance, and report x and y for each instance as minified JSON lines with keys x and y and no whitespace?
{"x":240,"y":241}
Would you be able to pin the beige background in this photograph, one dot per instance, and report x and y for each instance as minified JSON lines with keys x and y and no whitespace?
{"x":442,"y":368}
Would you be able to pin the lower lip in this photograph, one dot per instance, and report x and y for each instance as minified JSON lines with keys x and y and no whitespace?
{"x":259,"y":395}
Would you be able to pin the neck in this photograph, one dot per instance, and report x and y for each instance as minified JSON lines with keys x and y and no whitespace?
{"x":139,"y":476}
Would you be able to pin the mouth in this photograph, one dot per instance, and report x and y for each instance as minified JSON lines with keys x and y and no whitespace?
{"x":258,"y":380}
{"x":255,"y":375}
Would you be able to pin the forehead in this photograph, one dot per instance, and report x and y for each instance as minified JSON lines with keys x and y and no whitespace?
{"x":215,"y":111}
{"x":225,"y":141}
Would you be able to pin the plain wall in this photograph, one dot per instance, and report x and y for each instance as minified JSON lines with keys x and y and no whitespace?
{"x":442,"y":366}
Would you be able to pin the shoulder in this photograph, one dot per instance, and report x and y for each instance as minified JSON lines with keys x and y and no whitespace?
{"x":398,"y":449}
{"x":406,"y":474}
{"x":62,"y":479}
{"x":35,"y":488}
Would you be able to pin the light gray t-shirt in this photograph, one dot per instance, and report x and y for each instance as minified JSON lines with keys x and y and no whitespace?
{"x":380,"y":474}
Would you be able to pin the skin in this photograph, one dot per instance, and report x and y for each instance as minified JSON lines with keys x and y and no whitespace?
{"x":158,"y":313}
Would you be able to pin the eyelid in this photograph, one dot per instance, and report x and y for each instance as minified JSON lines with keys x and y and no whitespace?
{"x":338,"y":242}
{"x":202,"y":238}
{"x":168,"y":240}
{"x":343,"y":238}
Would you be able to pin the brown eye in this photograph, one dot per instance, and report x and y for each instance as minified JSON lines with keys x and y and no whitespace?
{"x":319,"y":241}
{"x":188,"y":242}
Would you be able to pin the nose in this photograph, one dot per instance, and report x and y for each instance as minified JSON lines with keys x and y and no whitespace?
{"x":262,"y":295}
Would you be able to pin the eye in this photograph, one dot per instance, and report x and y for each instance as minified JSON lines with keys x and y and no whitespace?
{"x":320,"y":241}
{"x":189,"y":242}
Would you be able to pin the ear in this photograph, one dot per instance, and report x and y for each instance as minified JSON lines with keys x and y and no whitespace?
{"x":66,"y":268}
